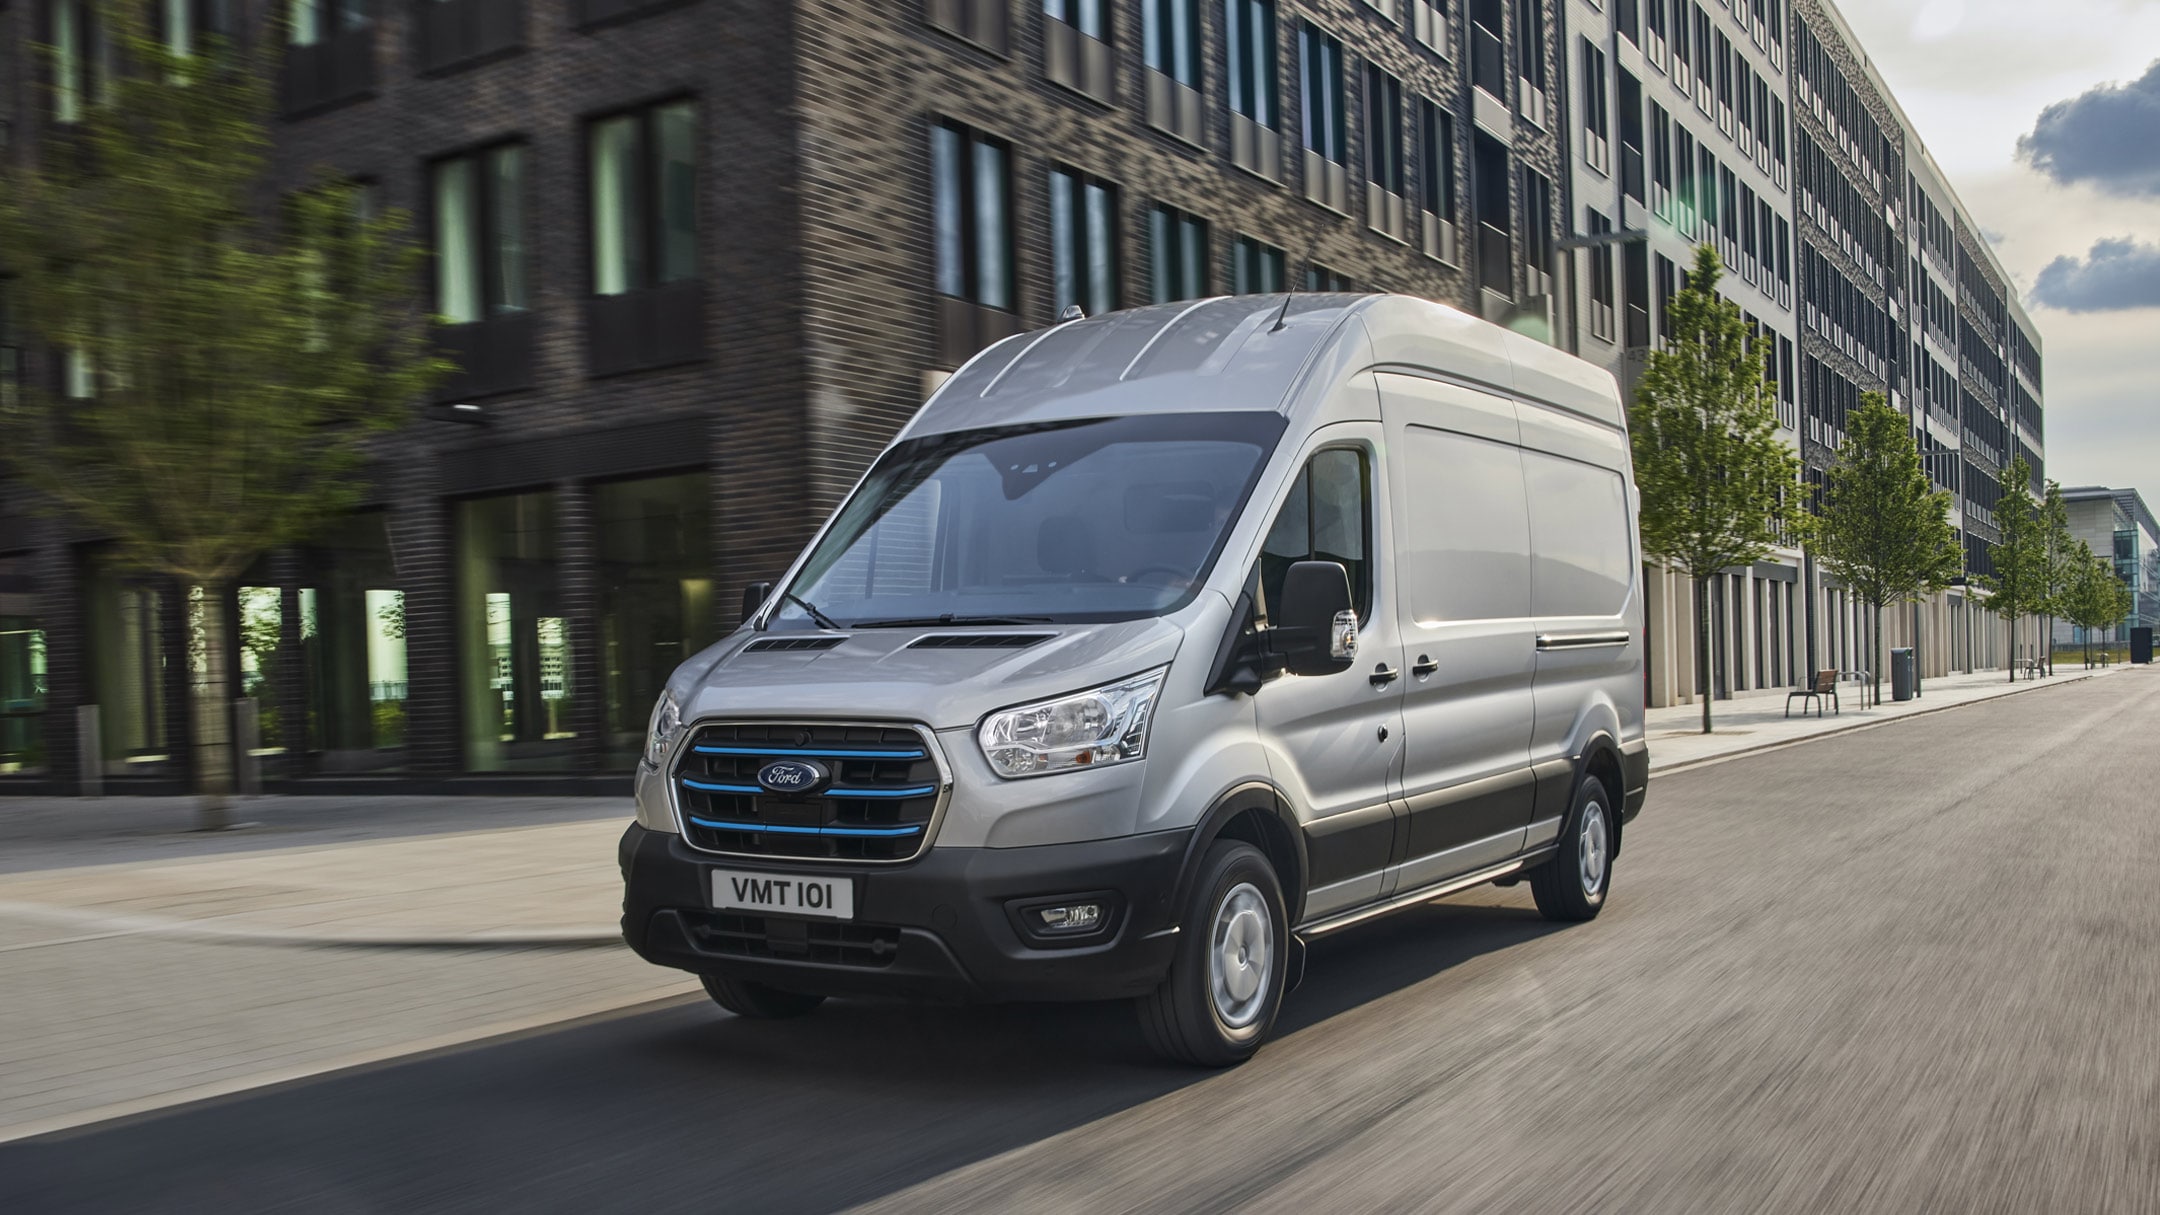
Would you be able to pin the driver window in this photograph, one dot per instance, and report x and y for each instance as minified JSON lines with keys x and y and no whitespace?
{"x":1327,"y":517}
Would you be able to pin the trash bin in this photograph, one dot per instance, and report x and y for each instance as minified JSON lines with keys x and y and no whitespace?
{"x":1903,"y":669}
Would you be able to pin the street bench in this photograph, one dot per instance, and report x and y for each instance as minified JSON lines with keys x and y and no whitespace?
{"x":1824,"y":688}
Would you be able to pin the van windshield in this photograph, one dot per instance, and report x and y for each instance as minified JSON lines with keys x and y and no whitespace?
{"x":1061,"y":522}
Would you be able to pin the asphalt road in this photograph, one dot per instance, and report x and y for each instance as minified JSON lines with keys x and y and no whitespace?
{"x":1908,"y":969}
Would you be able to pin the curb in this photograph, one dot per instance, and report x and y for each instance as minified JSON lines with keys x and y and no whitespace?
{"x":102,"y":923}
{"x":1844,"y":728}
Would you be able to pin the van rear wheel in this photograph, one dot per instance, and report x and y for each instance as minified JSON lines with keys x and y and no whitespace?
{"x":757,"y":1001}
{"x":1226,"y":979}
{"x":1573,"y":884}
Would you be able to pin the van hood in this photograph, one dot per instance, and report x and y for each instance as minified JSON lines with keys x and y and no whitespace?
{"x":945,"y":678}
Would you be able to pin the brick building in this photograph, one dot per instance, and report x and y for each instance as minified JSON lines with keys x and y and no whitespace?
{"x":698,"y":260}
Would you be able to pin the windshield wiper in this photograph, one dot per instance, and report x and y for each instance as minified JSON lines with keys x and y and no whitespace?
{"x":823,"y":621}
{"x":921,"y":622}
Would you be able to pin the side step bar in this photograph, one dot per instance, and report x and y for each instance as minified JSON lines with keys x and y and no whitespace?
{"x":1423,"y":894}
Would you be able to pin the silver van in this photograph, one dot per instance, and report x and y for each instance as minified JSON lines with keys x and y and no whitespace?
{"x":1157,"y":645}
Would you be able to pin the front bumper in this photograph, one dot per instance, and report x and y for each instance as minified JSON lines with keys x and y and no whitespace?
{"x":936,"y":928}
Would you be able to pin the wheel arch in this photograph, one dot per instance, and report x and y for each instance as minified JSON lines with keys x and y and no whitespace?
{"x":1600,"y":757}
{"x":1258,"y":814}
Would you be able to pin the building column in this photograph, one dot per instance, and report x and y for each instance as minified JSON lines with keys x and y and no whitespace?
{"x":418,"y":522}
{"x":581,"y":605}
{"x":289,"y":677}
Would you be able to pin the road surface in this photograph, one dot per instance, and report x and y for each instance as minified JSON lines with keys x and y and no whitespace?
{"x":1913,"y":968}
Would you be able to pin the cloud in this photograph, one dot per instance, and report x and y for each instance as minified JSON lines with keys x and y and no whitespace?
{"x":2118,"y":274}
{"x":2108,"y":136}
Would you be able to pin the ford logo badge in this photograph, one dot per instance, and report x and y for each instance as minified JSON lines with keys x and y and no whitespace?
{"x":796,"y":776}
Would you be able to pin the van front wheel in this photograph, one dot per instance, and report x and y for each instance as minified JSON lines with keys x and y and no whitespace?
{"x":1226,"y":980}
{"x":1572,"y":885}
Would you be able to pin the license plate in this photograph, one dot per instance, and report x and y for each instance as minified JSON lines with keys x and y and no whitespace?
{"x":783,"y":894}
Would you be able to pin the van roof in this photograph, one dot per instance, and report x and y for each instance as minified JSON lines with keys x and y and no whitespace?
{"x":1149,"y":359}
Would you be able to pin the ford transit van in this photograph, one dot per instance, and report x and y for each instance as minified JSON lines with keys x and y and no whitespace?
{"x":1157,"y":645}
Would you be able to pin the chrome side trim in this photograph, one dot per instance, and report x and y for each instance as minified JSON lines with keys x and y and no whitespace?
{"x":930,"y":748}
{"x":1424,"y":894}
{"x":1584,"y":641}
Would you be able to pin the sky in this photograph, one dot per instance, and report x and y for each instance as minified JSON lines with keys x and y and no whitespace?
{"x":2046,"y":120}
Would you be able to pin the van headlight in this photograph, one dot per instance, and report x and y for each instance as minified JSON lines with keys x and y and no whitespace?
{"x":1105,"y":725}
{"x":665,"y":729}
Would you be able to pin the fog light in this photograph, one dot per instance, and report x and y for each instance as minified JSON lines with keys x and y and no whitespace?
{"x":1069,"y":919}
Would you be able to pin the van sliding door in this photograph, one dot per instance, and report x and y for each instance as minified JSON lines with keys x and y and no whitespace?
{"x":1463,"y":558}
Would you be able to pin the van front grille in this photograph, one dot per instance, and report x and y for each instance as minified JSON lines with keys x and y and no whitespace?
{"x":880,"y":793}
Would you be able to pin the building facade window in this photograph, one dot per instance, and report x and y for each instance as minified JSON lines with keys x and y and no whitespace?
{"x":644,"y":198}
{"x":1320,"y":84}
{"x":513,"y":635}
{"x":1170,"y":39}
{"x":1083,"y":242}
{"x":352,"y":640}
{"x":1384,"y":174}
{"x":1597,"y":127}
{"x":653,"y":546}
{"x":1327,"y":138}
{"x":1255,"y":105}
{"x":479,"y":212}
{"x":1256,"y":268}
{"x":1178,"y":255}
{"x":970,"y":198}
{"x":22,"y":668}
{"x":131,"y":666}
{"x":1249,"y":40}
{"x":982,"y":22}
{"x":1436,"y":181}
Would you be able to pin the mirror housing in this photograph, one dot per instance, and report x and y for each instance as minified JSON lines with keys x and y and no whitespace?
{"x":753,"y":598}
{"x":1315,"y":629}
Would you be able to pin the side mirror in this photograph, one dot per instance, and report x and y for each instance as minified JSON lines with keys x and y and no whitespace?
{"x":1315,"y":629}
{"x":753,"y":598}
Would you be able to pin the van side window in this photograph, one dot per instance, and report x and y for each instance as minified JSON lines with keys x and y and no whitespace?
{"x":1327,"y":517}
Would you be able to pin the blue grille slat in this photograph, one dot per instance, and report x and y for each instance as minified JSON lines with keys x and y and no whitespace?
{"x":703,"y":787}
{"x":811,"y":752}
{"x":781,"y":829}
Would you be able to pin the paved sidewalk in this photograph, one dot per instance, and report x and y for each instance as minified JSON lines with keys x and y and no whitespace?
{"x":1754,"y":721}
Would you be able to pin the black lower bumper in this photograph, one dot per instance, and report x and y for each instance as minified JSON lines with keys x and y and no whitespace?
{"x":942,"y":927}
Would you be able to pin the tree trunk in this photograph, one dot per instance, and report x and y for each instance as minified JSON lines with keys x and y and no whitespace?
{"x":212,"y":710}
{"x":1875,"y":665}
{"x":1702,"y":647}
{"x":2012,"y":664}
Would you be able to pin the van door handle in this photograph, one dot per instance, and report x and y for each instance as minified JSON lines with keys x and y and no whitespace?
{"x":1383,"y":675}
{"x":1424,"y":666}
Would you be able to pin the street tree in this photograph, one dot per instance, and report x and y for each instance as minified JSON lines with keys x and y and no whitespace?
{"x":223,"y":358}
{"x":1883,"y":528}
{"x":1713,"y":475}
{"x":2089,"y":600}
{"x":2063,"y":565}
{"x":2019,"y":586}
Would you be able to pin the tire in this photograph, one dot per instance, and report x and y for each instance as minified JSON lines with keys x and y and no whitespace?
{"x":757,"y":1001}
{"x":1226,"y":979}
{"x":1571,"y":887}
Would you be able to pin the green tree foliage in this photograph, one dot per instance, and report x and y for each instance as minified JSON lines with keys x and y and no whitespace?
{"x":2064,"y":565}
{"x":1884,"y":529}
{"x":226,"y":356}
{"x":2022,"y":579}
{"x":2094,"y":598}
{"x":1713,"y":474}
